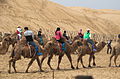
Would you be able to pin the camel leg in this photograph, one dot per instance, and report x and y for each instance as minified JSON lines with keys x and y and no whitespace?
{"x":9,"y":71}
{"x":116,"y":56}
{"x":90,"y":59}
{"x":12,"y":61}
{"x":14,"y":66}
{"x":80,"y":58}
{"x":43,"y":58}
{"x":111,"y":59}
{"x":94,"y":64}
{"x":39,"y":64}
{"x":82,"y":63}
{"x":49,"y":60}
{"x":78,"y":61}
{"x":59,"y":61}
{"x":70,"y":59}
{"x":30,"y":63}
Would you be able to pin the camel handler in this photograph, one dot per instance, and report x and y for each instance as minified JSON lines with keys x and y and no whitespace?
{"x":30,"y":39}
{"x":109,"y":47}
{"x":87,"y":36}
{"x":59,"y":36}
{"x":40,"y":37}
{"x":19,"y":32}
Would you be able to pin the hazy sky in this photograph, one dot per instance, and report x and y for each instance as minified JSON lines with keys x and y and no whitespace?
{"x":97,"y":4}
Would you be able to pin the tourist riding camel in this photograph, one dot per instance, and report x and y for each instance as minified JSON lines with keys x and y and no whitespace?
{"x":19,"y":32}
{"x":29,"y":39}
{"x":87,"y":37}
{"x":59,"y":38}
{"x":40,"y":36}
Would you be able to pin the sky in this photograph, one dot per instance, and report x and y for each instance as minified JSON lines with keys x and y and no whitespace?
{"x":96,"y":4}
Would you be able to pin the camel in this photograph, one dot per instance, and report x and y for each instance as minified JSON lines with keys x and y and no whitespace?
{"x":69,"y":49}
{"x":115,"y":53}
{"x":21,"y":49}
{"x":85,"y":49}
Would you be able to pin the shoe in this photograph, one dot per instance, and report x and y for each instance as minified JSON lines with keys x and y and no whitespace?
{"x":94,"y":50}
{"x":39,"y":53}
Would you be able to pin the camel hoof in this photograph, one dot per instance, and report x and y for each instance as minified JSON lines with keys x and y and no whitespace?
{"x":72,"y":67}
{"x":41,"y":70}
{"x":84,"y":67}
{"x":58,"y":68}
{"x":26,"y":71}
{"x":89,"y":66}
{"x":77,"y":68}
{"x":94,"y":64}
{"x":9,"y":71}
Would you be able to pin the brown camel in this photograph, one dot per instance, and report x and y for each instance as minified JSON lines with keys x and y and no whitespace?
{"x":22,"y":49}
{"x":115,"y":53}
{"x":85,"y":49}
{"x":69,"y":49}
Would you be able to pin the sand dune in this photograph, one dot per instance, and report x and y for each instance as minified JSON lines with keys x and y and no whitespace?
{"x":49,"y":15}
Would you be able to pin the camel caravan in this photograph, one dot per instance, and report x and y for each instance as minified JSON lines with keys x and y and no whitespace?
{"x":31,"y":46}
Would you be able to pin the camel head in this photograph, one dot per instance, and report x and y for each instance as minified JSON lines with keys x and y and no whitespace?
{"x":7,"y":40}
{"x":103,"y":43}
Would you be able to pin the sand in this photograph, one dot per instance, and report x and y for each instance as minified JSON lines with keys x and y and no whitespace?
{"x":46,"y":14}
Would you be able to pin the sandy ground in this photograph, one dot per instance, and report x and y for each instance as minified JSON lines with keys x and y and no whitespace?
{"x":45,"y":14}
{"x":102,"y":71}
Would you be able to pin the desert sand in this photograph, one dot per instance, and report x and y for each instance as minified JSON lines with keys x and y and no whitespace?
{"x":49,"y":15}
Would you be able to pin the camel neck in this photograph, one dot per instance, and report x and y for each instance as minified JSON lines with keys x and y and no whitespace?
{"x":100,"y":46}
{"x":74,"y":46}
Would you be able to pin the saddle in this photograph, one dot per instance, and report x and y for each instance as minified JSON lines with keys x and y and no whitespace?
{"x":30,"y":51}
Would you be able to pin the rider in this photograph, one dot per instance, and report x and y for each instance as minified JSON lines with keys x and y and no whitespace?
{"x":19,"y":32}
{"x":30,"y":39}
{"x":87,"y":36}
{"x":40,"y":36}
{"x":65,"y":35}
{"x":80,"y":34}
{"x":58,"y":36}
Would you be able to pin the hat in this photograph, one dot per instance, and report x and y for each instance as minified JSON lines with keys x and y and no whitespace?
{"x":19,"y":27}
{"x":88,"y":29}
